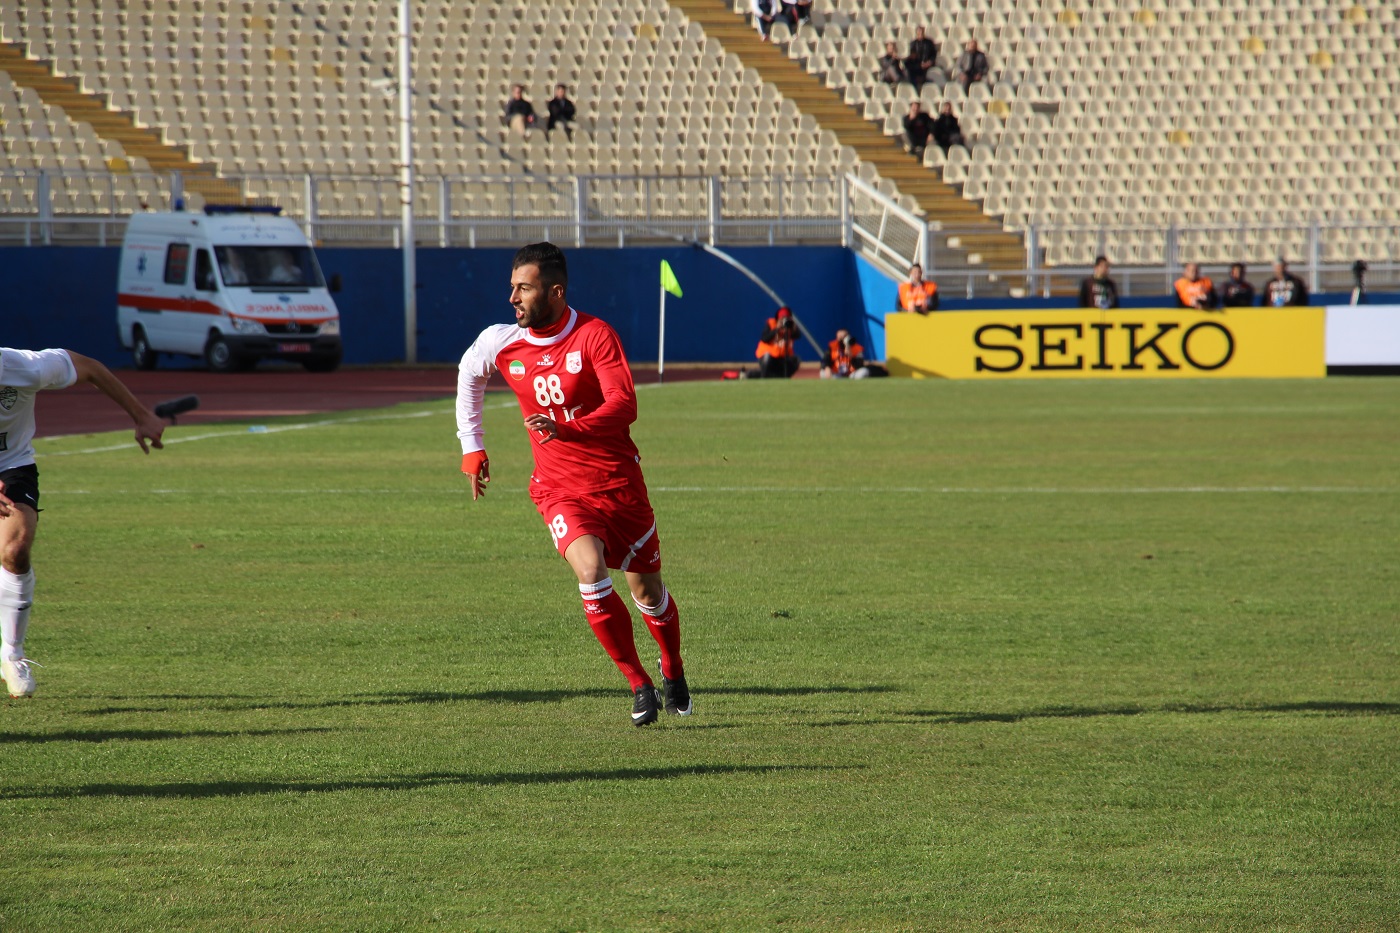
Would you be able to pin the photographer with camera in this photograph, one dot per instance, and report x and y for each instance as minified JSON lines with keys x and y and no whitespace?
{"x":1284,"y":288}
{"x":777,"y":347}
{"x":916,"y":294}
{"x":845,"y":359}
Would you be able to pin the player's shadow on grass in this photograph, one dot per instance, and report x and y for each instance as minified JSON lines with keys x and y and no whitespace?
{"x":236,"y":703}
{"x":1330,"y":708}
{"x":205,"y":789}
{"x":145,"y":735}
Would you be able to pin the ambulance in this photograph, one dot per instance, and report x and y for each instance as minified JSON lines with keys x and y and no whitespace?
{"x":230,"y":284}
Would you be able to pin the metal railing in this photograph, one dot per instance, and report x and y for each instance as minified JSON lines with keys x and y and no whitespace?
{"x":42,"y":207}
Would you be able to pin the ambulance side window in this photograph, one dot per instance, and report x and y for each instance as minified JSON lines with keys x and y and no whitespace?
{"x":177,"y":263}
{"x":204,"y":272}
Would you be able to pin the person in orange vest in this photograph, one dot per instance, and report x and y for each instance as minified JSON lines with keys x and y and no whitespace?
{"x":915,"y":294}
{"x":1194,"y":290}
{"x":845,"y":359}
{"x":777,"y":348}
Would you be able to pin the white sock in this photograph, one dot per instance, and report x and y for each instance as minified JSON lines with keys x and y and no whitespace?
{"x":16,"y":596}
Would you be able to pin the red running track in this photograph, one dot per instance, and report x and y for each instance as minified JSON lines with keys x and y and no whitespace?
{"x":269,"y":393}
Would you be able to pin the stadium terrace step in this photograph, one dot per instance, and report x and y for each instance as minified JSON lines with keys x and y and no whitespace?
{"x":137,"y":141}
{"x":986,"y":244}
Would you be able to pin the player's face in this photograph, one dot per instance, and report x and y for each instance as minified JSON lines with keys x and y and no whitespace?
{"x":530,"y":298}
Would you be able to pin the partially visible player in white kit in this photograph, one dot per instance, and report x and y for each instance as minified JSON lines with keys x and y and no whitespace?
{"x":22,"y":374}
{"x":576,"y":393}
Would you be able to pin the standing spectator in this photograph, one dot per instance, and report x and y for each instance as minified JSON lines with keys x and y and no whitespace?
{"x":1237,"y":293}
{"x":923,"y":53}
{"x":1098,"y":290}
{"x":764,"y":12}
{"x":891,"y":66}
{"x":520,"y":115}
{"x":561,"y":112}
{"x":1284,"y":288}
{"x":1194,"y":290}
{"x":918,"y":126}
{"x":915,"y":294}
{"x":777,"y":348}
{"x":972,"y":65}
{"x":947,"y":132}
{"x":844,"y":358}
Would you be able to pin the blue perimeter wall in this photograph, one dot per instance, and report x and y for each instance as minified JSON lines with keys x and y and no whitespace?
{"x":66,"y":297}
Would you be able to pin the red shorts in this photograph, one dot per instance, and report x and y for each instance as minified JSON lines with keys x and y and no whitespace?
{"x":621,"y":518}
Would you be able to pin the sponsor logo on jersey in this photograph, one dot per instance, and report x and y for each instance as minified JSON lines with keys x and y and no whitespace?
{"x":517,"y":370}
{"x":573,"y":361}
{"x":8,"y":396}
{"x":545,"y":360}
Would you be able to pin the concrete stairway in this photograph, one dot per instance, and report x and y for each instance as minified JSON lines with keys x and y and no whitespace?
{"x":148,"y":144}
{"x":980,"y":238}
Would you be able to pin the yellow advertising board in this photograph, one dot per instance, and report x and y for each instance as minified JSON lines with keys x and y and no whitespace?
{"x":1086,"y":343}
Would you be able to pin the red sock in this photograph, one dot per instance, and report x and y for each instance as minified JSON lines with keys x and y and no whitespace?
{"x":664,"y":623}
{"x":612,"y":624}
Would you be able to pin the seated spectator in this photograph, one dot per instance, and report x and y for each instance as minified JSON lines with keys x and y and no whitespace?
{"x":1236,"y":293}
{"x":1098,"y":290}
{"x":764,"y":13}
{"x":777,"y":348}
{"x":891,"y":66}
{"x":845,"y":359}
{"x":915,"y":294}
{"x":972,"y":65}
{"x":520,"y":116}
{"x":1194,"y":290}
{"x":791,"y":15}
{"x":947,"y":132}
{"x":804,"y":13}
{"x":923,"y":53}
{"x":918,"y":126}
{"x":561,"y":111}
{"x":1284,"y":288}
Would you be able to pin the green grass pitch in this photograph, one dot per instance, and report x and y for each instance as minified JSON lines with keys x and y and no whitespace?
{"x":1022,"y":656}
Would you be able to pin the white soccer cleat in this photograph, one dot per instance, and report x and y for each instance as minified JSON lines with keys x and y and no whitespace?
{"x":19,"y":679}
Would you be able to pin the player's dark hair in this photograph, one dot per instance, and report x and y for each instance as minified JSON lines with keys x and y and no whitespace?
{"x":549,"y":259}
{"x":1099,"y":259}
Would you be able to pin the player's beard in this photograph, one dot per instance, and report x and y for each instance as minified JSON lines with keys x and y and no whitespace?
{"x":534,"y":314}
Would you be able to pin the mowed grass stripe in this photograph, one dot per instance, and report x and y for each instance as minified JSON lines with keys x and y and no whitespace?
{"x":1111,"y":678}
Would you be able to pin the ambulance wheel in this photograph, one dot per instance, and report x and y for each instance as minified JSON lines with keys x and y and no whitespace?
{"x":142,"y":356}
{"x":219,"y":356}
{"x":321,"y":364}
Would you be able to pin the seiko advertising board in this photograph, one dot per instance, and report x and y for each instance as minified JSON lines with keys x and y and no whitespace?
{"x":1120,"y":344}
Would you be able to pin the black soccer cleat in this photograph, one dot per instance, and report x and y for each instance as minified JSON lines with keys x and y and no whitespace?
{"x":646,"y":703}
{"x":677,"y":694}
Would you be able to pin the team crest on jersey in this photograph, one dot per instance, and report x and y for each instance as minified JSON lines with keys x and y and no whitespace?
{"x":8,"y":395}
{"x":573,"y":361}
{"x":517,"y":370}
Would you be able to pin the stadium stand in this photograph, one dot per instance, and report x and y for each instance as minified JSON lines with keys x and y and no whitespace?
{"x":1206,"y":113}
{"x":1243,"y":121}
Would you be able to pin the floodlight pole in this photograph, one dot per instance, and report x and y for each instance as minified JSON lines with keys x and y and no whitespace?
{"x":406,"y":237}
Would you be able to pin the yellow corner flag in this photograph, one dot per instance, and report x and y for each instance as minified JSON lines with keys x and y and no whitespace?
{"x":668,"y":279}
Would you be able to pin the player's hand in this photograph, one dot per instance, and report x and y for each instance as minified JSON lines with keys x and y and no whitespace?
{"x":6,"y":503}
{"x":476,"y":466}
{"x":545,"y":430}
{"x":148,"y":430}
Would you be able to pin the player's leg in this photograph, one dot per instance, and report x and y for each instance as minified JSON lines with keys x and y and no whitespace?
{"x":16,"y":592}
{"x":611,"y":622}
{"x":663,"y":618}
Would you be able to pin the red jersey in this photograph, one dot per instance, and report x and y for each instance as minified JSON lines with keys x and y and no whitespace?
{"x":579,"y":379}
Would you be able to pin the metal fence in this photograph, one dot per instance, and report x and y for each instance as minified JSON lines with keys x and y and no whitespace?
{"x":42,"y":207}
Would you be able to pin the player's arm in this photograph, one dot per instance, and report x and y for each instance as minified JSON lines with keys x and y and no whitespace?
{"x":619,"y":408}
{"x":472,"y":374}
{"x":148,"y":426}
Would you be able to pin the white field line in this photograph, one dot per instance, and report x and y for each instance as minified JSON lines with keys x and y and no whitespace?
{"x":261,"y":430}
{"x":848,"y":490}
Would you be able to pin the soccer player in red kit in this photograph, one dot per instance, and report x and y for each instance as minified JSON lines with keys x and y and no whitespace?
{"x":575,"y":390}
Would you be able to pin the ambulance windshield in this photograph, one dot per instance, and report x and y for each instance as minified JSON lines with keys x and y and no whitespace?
{"x":269,"y":266}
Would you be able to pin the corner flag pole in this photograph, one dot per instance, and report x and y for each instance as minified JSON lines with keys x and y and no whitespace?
{"x":661,"y":340}
{"x":668,"y":284}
